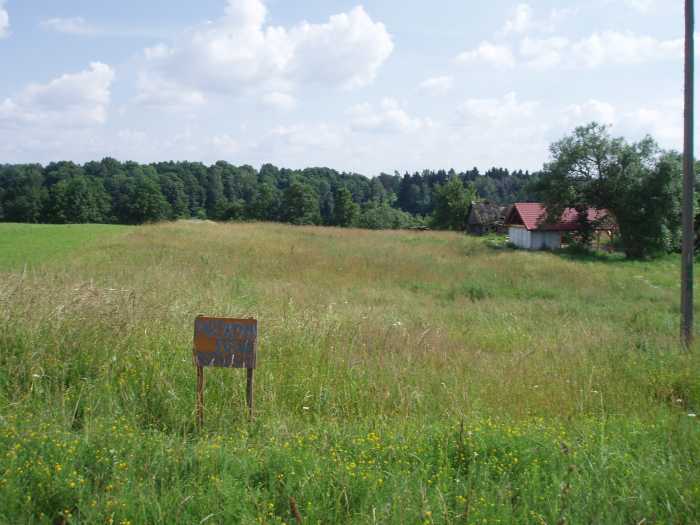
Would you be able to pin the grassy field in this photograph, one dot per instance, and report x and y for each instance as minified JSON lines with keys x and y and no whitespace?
{"x":32,"y":244}
{"x":403,"y":378}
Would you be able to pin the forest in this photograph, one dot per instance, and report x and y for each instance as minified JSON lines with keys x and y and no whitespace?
{"x":117,"y":192}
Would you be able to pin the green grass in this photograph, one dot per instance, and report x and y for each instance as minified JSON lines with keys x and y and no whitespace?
{"x":32,"y":244}
{"x":404,"y":377}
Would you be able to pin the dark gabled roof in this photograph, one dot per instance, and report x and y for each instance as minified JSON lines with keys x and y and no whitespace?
{"x":485,"y":213}
{"x":532,"y":214}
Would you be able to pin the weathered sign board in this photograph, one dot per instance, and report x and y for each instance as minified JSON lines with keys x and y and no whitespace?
{"x":224,"y":343}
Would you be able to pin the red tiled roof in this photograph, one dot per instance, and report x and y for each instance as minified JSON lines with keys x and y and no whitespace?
{"x":532,"y":215}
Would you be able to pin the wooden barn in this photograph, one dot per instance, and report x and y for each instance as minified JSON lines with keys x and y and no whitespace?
{"x":528,"y":229}
{"x":486,"y":217}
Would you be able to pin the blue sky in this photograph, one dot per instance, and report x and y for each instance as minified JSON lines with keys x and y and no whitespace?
{"x":366,"y":87}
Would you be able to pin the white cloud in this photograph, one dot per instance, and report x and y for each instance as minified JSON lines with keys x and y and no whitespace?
{"x":437,"y":86}
{"x":643,"y":6}
{"x":239,"y":54}
{"x":663,"y":121}
{"x":597,"y":50}
{"x":158,"y":92}
{"x":348,"y":50}
{"x":543,"y":53}
{"x":226,"y":144}
{"x":592,"y":110}
{"x":520,"y":20}
{"x":497,"y":111}
{"x":496,"y":55}
{"x":612,"y":47}
{"x":279,"y":101}
{"x":71,"y":26}
{"x":389,"y":117}
{"x":61,"y":119}
{"x":4,"y":20}
{"x":73,"y":99}
{"x":304,"y":138}
{"x":486,"y":131}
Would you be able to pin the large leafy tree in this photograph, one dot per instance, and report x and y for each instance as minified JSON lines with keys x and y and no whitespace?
{"x":346,"y":211}
{"x":300,"y":204}
{"x":638,"y":183}
{"x":79,"y":200}
{"x":23,"y":193}
{"x":452,"y":202}
{"x":265,"y":205}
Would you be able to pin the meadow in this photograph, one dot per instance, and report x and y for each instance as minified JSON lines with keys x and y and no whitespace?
{"x":403,"y":377}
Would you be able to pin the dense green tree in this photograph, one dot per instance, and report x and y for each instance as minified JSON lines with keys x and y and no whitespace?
{"x":381,"y":216}
{"x":265,"y":206}
{"x":79,"y":200}
{"x":216,"y":203}
{"x":639,"y":184}
{"x":300,"y":204}
{"x":146,"y":203}
{"x":173,"y":190}
{"x":452,"y":203}
{"x":346,"y":211}
{"x":23,"y":192}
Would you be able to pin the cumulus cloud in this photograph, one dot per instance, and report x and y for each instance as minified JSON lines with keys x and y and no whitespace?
{"x":522,"y":20}
{"x":4,"y":20}
{"x":543,"y":53}
{"x":306,"y":137}
{"x":225,"y":144}
{"x":437,"y":86}
{"x":589,"y":111}
{"x":643,"y":6}
{"x":663,"y":121}
{"x":279,"y":101}
{"x":484,"y":128}
{"x":72,"y":99}
{"x":597,"y":50}
{"x":498,"y":111}
{"x":159,"y":92}
{"x":70,"y":26}
{"x":612,"y":47}
{"x":389,"y":117}
{"x":240,"y":54}
{"x":499,"y":56}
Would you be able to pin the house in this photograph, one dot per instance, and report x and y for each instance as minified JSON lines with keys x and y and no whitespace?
{"x":486,"y":217}
{"x":527,"y":227}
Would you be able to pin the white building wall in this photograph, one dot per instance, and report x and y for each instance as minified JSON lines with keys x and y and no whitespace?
{"x":520,"y":237}
{"x":534,"y":240}
{"x":545,"y":241}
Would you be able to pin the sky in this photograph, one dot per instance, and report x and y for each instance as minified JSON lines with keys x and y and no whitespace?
{"x":368,"y":87}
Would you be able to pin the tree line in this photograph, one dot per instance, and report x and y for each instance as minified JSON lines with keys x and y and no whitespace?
{"x":117,"y":192}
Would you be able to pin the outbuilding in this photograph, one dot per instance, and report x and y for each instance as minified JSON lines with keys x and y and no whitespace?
{"x":486,"y":217}
{"x":528,"y":229}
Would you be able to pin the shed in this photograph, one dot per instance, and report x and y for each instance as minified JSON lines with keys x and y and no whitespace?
{"x":527,"y":227}
{"x":486,"y":217}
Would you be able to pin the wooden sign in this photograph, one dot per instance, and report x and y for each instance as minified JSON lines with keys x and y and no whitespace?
{"x":224,"y":343}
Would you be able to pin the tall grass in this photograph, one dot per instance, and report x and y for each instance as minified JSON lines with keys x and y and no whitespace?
{"x":403,"y":377}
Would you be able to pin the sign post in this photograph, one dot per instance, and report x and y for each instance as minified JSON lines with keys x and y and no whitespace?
{"x":224,"y":343}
